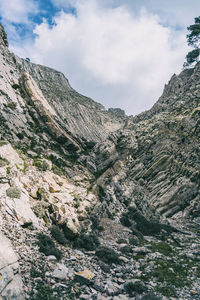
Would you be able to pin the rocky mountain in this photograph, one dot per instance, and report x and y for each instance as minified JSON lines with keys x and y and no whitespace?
{"x":95,"y":204}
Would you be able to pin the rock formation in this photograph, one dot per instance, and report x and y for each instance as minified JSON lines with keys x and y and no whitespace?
{"x":95,"y":204}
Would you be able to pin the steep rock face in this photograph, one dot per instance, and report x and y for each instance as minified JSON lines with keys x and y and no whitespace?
{"x":39,"y":106}
{"x":157,"y":154}
{"x":77,"y":114}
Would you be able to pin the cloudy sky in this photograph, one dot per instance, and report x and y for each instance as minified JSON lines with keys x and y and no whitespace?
{"x":118,"y":52}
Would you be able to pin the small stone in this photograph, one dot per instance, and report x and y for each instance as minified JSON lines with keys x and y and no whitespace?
{"x":124,"y":259}
{"x":193,"y":292}
{"x":141,"y":250}
{"x":83,"y":297}
{"x":101,"y":297}
{"x":120,"y":280}
{"x":120,"y":297}
{"x":78,"y":252}
{"x":60,"y":272}
{"x":73,"y":258}
{"x":51,"y":258}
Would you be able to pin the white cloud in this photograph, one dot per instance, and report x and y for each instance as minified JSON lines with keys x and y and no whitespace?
{"x":109,"y":54}
{"x":17,"y":11}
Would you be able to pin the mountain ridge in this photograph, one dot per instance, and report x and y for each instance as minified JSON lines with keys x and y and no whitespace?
{"x":117,"y":195}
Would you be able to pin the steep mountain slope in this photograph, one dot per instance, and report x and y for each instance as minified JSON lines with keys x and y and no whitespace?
{"x":95,"y":204}
{"x":157,"y":153}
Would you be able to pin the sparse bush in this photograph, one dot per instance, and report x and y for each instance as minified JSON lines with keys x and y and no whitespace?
{"x":150,"y":297}
{"x":90,"y":145}
{"x":57,"y":161}
{"x":47,"y":246}
{"x":133,"y":241}
{"x":3,"y":162}
{"x":108,"y":255}
{"x":11,"y":105}
{"x":20,"y":135}
{"x":58,"y":235}
{"x":57,"y":170}
{"x":15,"y":86}
{"x":40,"y":164}
{"x":134,"y":218}
{"x":8,"y":170}
{"x":126,"y":249}
{"x":13,"y":192}
{"x":88,"y":242}
{"x":96,"y":224}
{"x":121,"y":241}
{"x":2,"y":143}
{"x":171,"y":273}
{"x":125,"y":220}
{"x":134,"y":287}
{"x":162,"y":247}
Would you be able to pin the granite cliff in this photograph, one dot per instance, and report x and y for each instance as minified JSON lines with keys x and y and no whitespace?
{"x":95,"y":204}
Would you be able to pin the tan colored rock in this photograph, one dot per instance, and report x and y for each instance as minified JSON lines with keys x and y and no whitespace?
{"x":85,"y":274}
{"x":53,"y":189}
{"x":33,"y":193}
{"x":49,"y":178}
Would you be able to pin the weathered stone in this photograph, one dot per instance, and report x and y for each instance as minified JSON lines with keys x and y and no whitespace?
{"x":84,"y":275}
{"x":10,"y":281}
{"x":60,"y":272}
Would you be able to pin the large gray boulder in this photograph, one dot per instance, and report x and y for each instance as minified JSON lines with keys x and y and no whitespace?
{"x":11,"y":286}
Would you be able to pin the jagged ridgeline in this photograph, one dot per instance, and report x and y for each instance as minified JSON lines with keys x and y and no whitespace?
{"x":95,"y":204}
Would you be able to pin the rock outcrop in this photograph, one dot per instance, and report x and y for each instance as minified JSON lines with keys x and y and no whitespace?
{"x":11,"y":286}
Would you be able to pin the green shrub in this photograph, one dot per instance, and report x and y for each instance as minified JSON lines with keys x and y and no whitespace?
{"x":143,"y":225}
{"x":20,"y":135}
{"x":3,"y":162}
{"x":42,"y":165}
{"x":15,"y":86}
{"x":8,"y":170}
{"x":162,"y":247}
{"x":121,"y":241}
{"x":41,"y":290}
{"x":107,"y":255}
{"x":12,"y":105}
{"x":125,"y":220}
{"x":134,"y":287}
{"x":167,"y":291}
{"x":88,"y":242}
{"x":126,"y":249}
{"x":44,"y":292}
{"x":171,"y":273}
{"x":57,"y":170}
{"x":150,"y":297}
{"x":58,"y":235}
{"x":133,"y":241}
{"x":13,"y":192}
{"x":57,"y":161}
{"x":96,"y":224}
{"x":89,"y":145}
{"x":2,"y":143}
{"x":47,"y":246}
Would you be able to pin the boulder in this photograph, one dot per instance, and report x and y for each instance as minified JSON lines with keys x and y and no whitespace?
{"x":11,"y":286}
